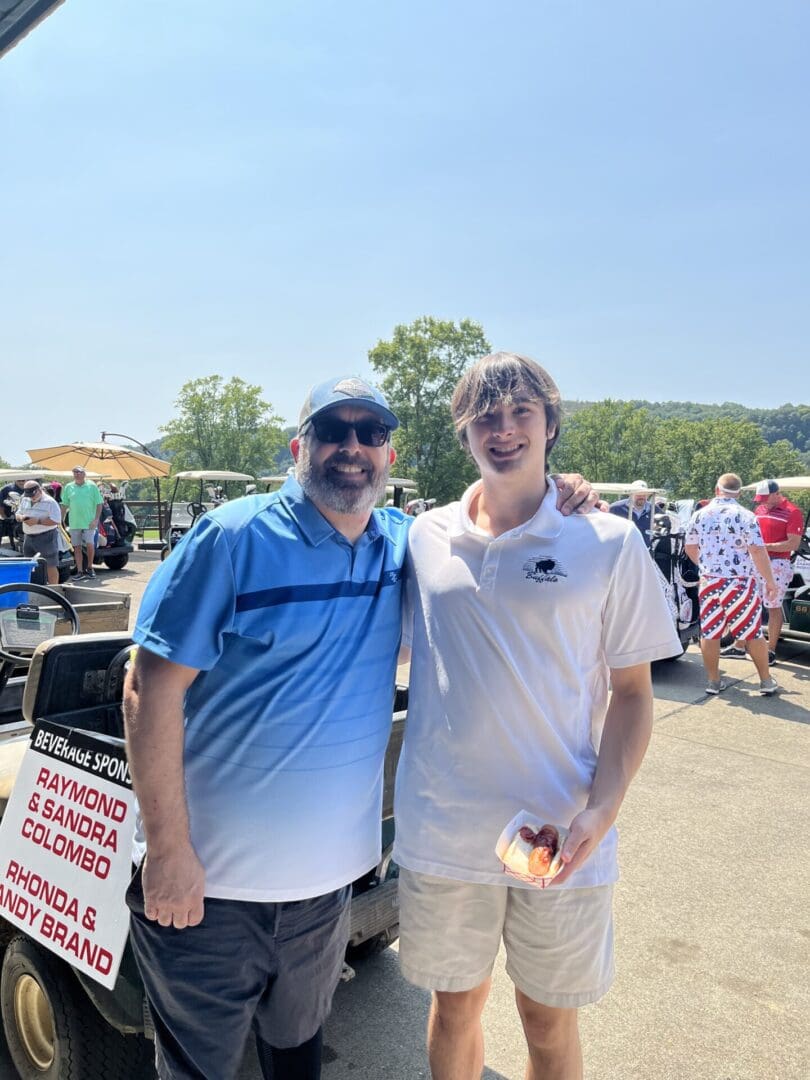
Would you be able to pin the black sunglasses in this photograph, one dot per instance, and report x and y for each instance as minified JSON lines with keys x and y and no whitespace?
{"x":330,"y":429}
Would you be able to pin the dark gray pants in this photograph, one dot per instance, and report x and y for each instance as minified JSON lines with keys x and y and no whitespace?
{"x":270,"y":968}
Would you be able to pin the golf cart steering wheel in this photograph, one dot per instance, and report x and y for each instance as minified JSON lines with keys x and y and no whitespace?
{"x":41,"y":590}
{"x":196,"y":510}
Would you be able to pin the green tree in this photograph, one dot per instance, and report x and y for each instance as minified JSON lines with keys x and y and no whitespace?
{"x":420,"y":366}
{"x":222,"y":425}
{"x":692,"y":454}
{"x":621,"y":441}
{"x":610,"y":441}
{"x":779,"y":458}
{"x":4,"y":464}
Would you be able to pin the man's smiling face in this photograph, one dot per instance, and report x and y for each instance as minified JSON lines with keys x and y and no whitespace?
{"x":345,"y":476}
{"x":510,"y":437}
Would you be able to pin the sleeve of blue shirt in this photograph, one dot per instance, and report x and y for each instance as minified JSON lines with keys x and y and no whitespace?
{"x":189,"y":603}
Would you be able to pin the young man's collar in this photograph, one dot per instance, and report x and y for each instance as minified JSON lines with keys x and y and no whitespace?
{"x":546,"y":523}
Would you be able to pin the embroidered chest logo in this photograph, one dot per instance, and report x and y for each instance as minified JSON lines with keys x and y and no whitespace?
{"x":544,"y":569}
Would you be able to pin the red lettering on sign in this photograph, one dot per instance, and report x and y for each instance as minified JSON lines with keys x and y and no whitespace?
{"x":87,"y":951}
{"x":65,"y":848}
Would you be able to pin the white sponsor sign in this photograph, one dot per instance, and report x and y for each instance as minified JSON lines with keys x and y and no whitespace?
{"x":801,"y":566}
{"x":66,"y":846}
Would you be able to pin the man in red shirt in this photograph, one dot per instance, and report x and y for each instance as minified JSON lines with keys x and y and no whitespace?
{"x":781,"y":524}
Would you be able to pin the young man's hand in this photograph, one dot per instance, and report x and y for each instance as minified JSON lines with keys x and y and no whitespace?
{"x":587,"y":830}
{"x":574,"y":494}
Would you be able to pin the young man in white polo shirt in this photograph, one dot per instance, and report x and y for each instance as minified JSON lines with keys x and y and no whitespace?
{"x":521,"y":618}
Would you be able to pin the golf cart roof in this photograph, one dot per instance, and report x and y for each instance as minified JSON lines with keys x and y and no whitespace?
{"x":31,"y":472}
{"x":623,"y":489}
{"x":398,"y":481}
{"x":798,"y":483}
{"x":212,"y":474}
{"x":278,"y":479}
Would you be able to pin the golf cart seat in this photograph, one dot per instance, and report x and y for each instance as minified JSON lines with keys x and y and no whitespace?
{"x":77,"y":681}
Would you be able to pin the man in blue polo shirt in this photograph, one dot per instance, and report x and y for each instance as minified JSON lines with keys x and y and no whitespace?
{"x":257,"y":714}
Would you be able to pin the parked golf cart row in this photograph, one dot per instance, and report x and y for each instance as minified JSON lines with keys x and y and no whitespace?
{"x":212,"y":492}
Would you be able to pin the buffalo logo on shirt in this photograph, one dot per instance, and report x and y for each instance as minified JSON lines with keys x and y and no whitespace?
{"x":544,"y":568}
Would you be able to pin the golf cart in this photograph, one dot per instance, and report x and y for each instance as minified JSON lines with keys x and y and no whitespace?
{"x":796,"y":605}
{"x":395,"y":490}
{"x":677,"y":573}
{"x":272,"y":482}
{"x":211,"y":493}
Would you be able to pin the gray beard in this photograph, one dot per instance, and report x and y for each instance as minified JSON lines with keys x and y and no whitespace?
{"x":321,"y":490}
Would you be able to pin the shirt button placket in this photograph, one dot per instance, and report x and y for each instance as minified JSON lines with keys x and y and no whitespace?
{"x":489,"y":570}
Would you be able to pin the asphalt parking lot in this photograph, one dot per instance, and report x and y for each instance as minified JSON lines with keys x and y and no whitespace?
{"x":712,"y":911}
{"x":712,"y":914}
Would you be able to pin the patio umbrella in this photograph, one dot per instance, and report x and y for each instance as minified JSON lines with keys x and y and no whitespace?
{"x":113,"y":462}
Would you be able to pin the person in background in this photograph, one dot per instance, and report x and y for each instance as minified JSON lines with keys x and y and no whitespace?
{"x":41,"y":518}
{"x":81,"y":506}
{"x":781,"y":524}
{"x":11,"y":492}
{"x":10,"y":495}
{"x":640,"y":506}
{"x":724,"y":541}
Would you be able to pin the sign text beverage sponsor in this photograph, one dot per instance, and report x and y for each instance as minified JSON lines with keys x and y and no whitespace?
{"x":65,"y":848}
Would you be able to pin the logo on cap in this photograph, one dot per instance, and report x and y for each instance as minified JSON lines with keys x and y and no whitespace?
{"x":353,"y":388}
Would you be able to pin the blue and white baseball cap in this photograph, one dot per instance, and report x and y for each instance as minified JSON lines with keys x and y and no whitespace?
{"x":345,"y":390}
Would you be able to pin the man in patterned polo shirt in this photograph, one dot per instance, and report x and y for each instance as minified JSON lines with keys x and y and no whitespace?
{"x":725,"y":541}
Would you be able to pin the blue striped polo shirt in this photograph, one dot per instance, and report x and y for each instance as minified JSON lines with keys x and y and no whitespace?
{"x":295,"y":632}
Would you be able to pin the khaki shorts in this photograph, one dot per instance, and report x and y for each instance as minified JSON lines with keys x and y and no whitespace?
{"x":559,"y":942}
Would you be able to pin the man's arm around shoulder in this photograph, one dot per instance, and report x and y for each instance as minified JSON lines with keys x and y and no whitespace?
{"x":173,"y":876}
{"x":626,"y":734}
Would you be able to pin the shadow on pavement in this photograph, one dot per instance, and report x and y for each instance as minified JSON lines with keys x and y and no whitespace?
{"x":377,"y":1028}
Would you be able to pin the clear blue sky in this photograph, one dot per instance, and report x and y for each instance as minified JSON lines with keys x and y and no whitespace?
{"x":265,"y":189}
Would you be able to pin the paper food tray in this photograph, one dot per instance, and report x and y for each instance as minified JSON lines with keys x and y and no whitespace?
{"x":505,"y":839}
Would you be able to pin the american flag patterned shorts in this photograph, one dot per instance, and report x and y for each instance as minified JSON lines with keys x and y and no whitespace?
{"x":730,"y":605}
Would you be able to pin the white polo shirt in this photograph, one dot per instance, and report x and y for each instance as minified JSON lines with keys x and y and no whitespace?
{"x":512,"y":642}
{"x":45,"y":510}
